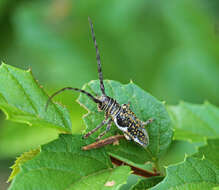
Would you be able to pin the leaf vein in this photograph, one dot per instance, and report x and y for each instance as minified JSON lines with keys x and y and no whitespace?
{"x":28,"y":97}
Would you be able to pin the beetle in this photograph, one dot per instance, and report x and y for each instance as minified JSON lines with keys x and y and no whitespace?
{"x":121,"y":115}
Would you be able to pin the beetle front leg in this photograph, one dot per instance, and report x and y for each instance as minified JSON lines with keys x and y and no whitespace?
{"x":109,"y":123}
{"x":95,"y":129}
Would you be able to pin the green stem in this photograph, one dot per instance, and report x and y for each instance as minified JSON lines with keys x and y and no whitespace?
{"x":157,"y":167}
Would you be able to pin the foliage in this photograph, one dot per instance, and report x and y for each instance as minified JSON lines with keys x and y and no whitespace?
{"x":22,"y":159}
{"x":66,"y":166}
{"x":145,"y":106}
{"x":23,"y":101}
{"x":147,"y":183}
{"x":195,"y":122}
{"x":193,"y":173}
{"x":172,"y":56}
{"x":209,"y":151}
{"x":169,"y":49}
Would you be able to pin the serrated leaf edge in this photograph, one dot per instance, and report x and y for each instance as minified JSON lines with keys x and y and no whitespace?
{"x":9,"y":117}
{"x":26,"y":156}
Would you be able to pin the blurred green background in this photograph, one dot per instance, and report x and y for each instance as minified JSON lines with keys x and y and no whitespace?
{"x":169,"y":48}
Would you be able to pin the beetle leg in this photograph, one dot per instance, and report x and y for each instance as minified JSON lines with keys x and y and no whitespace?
{"x":129,"y":103}
{"x":148,"y":121}
{"x":95,"y":129}
{"x":109,"y":123}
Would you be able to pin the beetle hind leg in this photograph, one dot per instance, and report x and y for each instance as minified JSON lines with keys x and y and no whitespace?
{"x":148,"y":121}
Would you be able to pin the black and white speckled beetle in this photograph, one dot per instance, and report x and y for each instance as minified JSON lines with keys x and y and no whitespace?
{"x":121,"y":115}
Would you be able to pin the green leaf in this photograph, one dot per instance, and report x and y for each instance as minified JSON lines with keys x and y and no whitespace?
{"x":132,"y":179}
{"x":20,"y":160}
{"x":176,"y":153}
{"x":195,"y":76}
{"x":195,"y":122}
{"x":31,"y":137}
{"x":147,"y":183}
{"x":190,"y":174}
{"x":195,"y":186}
{"x":107,"y":179}
{"x":210,"y":151}
{"x":144,"y":106}
{"x":3,"y":5}
{"x":216,"y":188}
{"x":23,"y":100}
{"x":62,"y":164}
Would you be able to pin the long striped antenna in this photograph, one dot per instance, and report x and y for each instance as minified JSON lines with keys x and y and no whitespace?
{"x":75,"y":89}
{"x":98,"y":58}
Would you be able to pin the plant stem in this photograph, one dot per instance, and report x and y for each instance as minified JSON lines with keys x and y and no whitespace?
{"x":135,"y":170}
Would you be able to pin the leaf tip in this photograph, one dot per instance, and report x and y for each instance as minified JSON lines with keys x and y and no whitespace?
{"x":186,"y":156}
{"x":165,"y":167}
{"x":131,"y":81}
{"x":2,"y":64}
{"x":29,"y":70}
{"x":163,"y":102}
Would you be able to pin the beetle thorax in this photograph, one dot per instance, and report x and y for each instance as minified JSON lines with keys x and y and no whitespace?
{"x":104,"y":102}
{"x":108,"y":105}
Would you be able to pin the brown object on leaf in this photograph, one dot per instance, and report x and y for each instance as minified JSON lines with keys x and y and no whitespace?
{"x":104,"y":142}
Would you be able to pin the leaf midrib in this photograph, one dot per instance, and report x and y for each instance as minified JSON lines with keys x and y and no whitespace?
{"x":32,"y":103}
{"x":22,"y":89}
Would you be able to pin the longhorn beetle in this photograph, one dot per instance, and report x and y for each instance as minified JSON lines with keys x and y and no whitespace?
{"x":121,"y":115}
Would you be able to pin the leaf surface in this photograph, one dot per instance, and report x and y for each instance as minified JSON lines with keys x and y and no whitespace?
{"x":62,"y":164}
{"x":195,"y":122}
{"x":193,"y":173}
{"x":22,"y":100}
{"x":145,"y":107}
{"x":20,"y":160}
{"x":210,"y":151}
{"x":176,"y":153}
{"x":147,"y":183}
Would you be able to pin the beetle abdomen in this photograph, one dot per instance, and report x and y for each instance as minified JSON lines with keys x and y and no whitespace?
{"x":127,"y":122}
